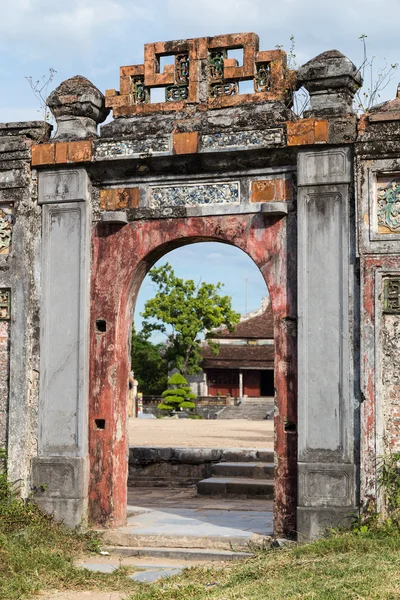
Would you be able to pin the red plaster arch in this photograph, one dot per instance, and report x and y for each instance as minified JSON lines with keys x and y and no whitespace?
{"x":121,"y":258}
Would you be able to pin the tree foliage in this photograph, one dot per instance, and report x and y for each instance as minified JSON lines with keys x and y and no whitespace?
{"x":149,"y":365}
{"x":177,"y":397}
{"x":184,"y":311}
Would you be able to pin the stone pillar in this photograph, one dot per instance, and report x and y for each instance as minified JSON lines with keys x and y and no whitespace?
{"x":60,"y":472}
{"x":241,"y":385}
{"x":61,"y":468}
{"x":327,"y":485}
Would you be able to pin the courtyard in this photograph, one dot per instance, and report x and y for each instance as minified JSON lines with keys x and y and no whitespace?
{"x":201,"y":433}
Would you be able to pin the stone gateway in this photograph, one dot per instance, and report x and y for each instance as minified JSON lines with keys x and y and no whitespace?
{"x":314,"y":201}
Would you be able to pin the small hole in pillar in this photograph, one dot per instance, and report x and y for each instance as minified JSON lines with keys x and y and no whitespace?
{"x":290,"y":427}
{"x":101,"y":326}
{"x":99,"y":423}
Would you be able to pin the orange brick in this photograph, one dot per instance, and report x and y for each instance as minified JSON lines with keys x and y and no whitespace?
{"x":321,"y":131}
{"x":43,"y":154}
{"x":80,"y":151}
{"x":307,"y":132}
{"x":271,"y":190}
{"x":61,"y":152}
{"x":186,"y":143}
{"x":125,"y":85}
{"x":230,"y":62}
{"x":131,"y":70}
{"x":301,"y":132}
{"x":119,"y":198}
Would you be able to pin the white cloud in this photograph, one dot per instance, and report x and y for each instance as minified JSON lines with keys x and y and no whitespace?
{"x":47,"y":26}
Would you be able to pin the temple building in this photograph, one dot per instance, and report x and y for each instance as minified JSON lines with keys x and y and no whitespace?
{"x":244,"y":365}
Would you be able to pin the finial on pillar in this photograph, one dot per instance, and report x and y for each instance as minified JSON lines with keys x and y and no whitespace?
{"x":78,"y":107}
{"x":331,"y":80}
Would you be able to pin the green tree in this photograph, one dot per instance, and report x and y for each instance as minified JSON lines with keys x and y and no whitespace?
{"x":148,"y":364}
{"x":185,"y":312}
{"x":179,"y":396}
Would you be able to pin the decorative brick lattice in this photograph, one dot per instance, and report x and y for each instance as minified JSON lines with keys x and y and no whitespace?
{"x":195,"y":195}
{"x":202,"y":73}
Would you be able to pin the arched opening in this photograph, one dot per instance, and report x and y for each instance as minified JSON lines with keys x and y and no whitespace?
{"x":122,"y":258}
{"x":219,"y":453}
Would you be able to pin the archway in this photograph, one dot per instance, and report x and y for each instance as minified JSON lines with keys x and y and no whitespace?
{"x":121,"y":258}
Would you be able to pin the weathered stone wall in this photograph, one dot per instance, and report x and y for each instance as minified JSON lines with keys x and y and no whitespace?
{"x":378,"y":181}
{"x":4,"y":383}
{"x":20,"y":226}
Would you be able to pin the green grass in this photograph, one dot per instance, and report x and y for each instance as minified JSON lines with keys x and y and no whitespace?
{"x":343,"y":566}
{"x":36,"y":553}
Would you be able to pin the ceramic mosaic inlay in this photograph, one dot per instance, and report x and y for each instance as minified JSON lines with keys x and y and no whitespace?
{"x":389,"y":204}
{"x":5,"y":304}
{"x":6,"y":223}
{"x":130,"y":147}
{"x":194,"y":195}
{"x":242,"y":139}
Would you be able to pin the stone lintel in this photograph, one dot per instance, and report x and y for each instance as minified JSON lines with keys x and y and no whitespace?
{"x":179,"y":212}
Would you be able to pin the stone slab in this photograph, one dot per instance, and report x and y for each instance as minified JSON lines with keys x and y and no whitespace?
{"x":187,"y":554}
{"x":250,"y":470}
{"x":64,"y":331}
{"x":67,"y":185}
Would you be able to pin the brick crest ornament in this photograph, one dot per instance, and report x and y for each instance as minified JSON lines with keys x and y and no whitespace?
{"x":389,"y":205}
{"x":391,"y":300}
{"x":202,"y":73}
{"x":5,"y":305}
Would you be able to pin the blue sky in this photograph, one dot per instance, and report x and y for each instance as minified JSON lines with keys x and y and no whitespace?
{"x":212,"y":262}
{"x":94,"y":37}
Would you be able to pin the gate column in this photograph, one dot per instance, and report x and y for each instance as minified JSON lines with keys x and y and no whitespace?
{"x":60,"y":472}
{"x":327,"y":486}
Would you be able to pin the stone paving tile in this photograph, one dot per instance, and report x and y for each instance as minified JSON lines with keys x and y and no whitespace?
{"x":151,"y":576}
{"x":254,"y":521}
{"x":148,"y":573}
{"x":187,"y":522}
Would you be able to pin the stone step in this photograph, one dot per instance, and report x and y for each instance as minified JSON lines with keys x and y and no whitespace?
{"x":186,"y":554}
{"x":228,"y":486}
{"x":250,"y":470}
{"x":128,"y":537}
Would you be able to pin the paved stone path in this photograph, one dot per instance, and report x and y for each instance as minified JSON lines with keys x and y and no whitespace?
{"x":176,"y":512}
{"x":188,"y":433}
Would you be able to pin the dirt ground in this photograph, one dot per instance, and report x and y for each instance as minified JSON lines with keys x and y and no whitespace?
{"x":187,"y":433}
